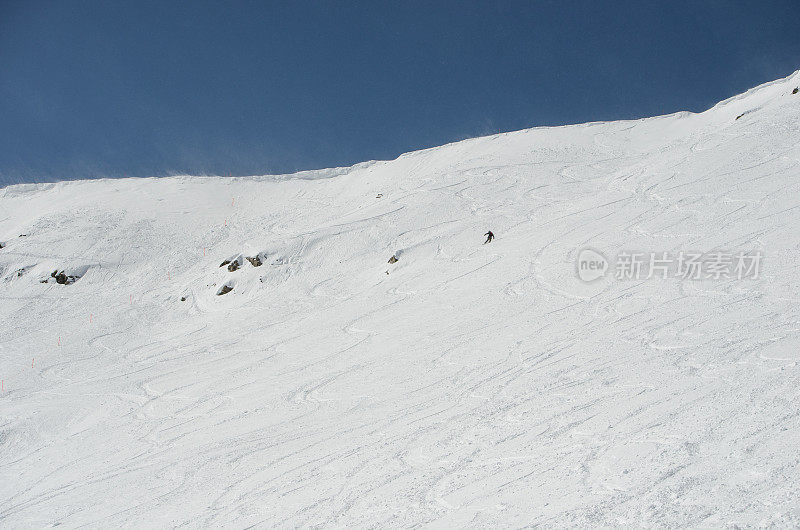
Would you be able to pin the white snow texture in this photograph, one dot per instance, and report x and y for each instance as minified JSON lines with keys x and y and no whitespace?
{"x":465,"y":385}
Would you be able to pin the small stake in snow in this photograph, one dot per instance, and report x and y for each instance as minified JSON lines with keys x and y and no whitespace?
{"x":31,"y":363}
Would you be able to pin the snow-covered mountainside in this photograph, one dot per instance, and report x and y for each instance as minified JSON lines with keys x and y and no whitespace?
{"x":467,"y":384}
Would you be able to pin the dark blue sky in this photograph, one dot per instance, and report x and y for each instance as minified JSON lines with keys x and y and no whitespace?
{"x":140,"y":88}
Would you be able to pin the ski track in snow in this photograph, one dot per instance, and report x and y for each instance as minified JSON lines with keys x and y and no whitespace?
{"x":473,"y":385}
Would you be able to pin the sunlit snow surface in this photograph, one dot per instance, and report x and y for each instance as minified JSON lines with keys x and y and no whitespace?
{"x":472,"y":385}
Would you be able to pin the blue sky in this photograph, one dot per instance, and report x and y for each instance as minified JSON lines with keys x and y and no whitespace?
{"x":140,"y":88}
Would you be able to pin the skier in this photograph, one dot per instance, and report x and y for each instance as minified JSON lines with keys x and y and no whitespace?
{"x":489,"y":236}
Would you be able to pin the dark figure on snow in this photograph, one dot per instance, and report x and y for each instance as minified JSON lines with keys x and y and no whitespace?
{"x":489,"y":236}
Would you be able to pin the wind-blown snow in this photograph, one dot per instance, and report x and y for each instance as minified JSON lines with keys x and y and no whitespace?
{"x":472,"y":385}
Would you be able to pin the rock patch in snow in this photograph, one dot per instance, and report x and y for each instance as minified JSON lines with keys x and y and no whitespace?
{"x":235,"y":263}
{"x":61,"y":278}
{"x":66,"y":276}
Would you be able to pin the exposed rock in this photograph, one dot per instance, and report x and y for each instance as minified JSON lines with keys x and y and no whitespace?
{"x":233,"y":265}
{"x":393,"y":259}
{"x":796,"y":90}
{"x":61,"y":278}
{"x":255,"y":261}
{"x":225,"y":289}
{"x":226,"y":262}
{"x":740,"y":115}
{"x":183,"y":298}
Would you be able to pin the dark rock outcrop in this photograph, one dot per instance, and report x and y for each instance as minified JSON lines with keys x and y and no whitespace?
{"x":225,"y":289}
{"x":61,"y":278}
{"x":393,"y":259}
{"x":255,"y":261}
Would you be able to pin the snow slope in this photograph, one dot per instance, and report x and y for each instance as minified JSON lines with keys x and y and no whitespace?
{"x":472,"y":385}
